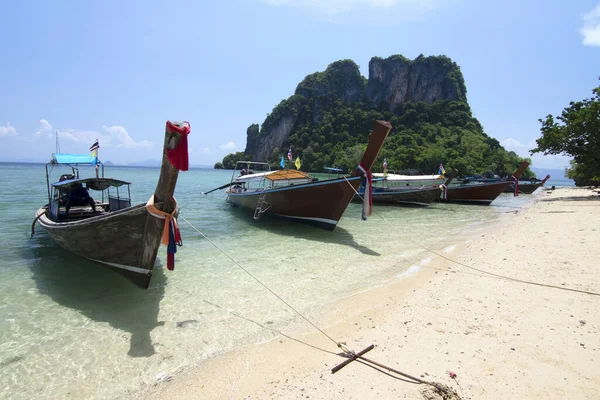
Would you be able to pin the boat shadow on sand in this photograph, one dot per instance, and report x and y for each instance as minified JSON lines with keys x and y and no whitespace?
{"x":98,"y":293}
{"x":299,"y":230}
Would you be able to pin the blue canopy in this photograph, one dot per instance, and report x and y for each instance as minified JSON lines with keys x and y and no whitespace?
{"x":58,"y":158}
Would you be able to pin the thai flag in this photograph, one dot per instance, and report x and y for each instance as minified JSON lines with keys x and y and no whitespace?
{"x":290,"y":154}
{"x":95,"y":146}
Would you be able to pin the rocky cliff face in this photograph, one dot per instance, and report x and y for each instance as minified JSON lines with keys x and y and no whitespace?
{"x":261,"y":146}
{"x":397,"y":80}
{"x":392,"y":82}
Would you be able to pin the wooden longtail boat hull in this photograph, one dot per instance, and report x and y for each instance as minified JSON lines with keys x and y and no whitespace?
{"x":529,"y":188}
{"x":483,"y":193}
{"x":525,"y":188}
{"x":321,"y":203}
{"x":126,"y":240}
{"x":304,"y":203}
{"x":411,"y":197}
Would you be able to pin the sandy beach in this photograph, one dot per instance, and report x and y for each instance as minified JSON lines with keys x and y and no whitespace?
{"x":534,"y":337}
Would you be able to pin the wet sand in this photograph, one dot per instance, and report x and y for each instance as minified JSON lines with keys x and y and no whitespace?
{"x":504,"y":339}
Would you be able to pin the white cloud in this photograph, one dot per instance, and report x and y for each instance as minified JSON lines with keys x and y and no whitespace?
{"x":122,"y":138}
{"x":45,"y":124}
{"x":228,"y":146}
{"x":333,"y":7}
{"x":45,"y":128}
{"x":111,"y":136}
{"x":537,"y":160}
{"x":512,"y":144}
{"x":591,"y":27}
{"x":7,"y":130}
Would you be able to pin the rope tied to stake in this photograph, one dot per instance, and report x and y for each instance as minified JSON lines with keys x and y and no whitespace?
{"x":347,"y":353}
{"x":171,"y":237}
{"x":367,"y":183}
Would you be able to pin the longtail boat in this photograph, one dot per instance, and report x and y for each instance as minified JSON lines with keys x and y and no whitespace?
{"x":392,"y":179}
{"x":481,"y":193}
{"x":409,"y":195}
{"x":294,"y":195}
{"x":528,"y":187}
{"x":108,"y":230}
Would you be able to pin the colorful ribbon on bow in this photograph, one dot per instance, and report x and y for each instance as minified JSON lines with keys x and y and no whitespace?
{"x":444,"y":191}
{"x":171,"y":237}
{"x":178,"y":157}
{"x":516,"y":185}
{"x":367,"y":182}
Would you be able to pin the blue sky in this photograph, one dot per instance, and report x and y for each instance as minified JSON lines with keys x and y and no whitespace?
{"x":118,"y":70}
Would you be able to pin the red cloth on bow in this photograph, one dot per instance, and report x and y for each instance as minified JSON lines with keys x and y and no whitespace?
{"x":178,"y":157}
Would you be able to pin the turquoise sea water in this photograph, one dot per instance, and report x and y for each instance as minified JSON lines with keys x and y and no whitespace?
{"x":69,"y":328}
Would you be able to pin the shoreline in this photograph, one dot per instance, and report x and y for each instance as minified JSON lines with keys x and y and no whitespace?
{"x":503,"y":339}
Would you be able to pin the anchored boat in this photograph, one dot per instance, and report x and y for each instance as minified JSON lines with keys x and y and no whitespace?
{"x":422,"y":195}
{"x":108,"y":230}
{"x":481,"y":193}
{"x":295,"y":195}
{"x":529,"y":187}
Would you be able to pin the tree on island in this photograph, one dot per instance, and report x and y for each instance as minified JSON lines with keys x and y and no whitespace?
{"x":576,"y":133}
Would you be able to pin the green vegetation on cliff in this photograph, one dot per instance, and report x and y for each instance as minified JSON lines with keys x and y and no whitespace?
{"x":328,"y":120}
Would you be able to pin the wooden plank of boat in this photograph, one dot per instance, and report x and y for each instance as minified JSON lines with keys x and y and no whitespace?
{"x":321,"y":203}
{"x":126,"y":240}
{"x":481,"y":193}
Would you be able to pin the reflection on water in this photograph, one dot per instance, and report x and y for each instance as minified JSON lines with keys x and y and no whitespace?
{"x":69,"y":328}
{"x":99,"y":294}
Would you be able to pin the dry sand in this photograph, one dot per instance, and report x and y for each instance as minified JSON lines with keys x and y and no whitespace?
{"x":504,"y":339}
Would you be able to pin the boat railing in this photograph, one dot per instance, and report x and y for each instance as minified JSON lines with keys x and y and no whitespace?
{"x":117,"y":202}
{"x":245,"y":168}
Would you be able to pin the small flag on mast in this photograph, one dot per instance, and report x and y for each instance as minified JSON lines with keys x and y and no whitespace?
{"x":94,"y":149}
{"x":441,"y":170}
{"x":95,"y":146}
{"x":298,"y":162}
{"x":290,"y":154}
{"x":385,"y":166}
{"x":282,"y":163}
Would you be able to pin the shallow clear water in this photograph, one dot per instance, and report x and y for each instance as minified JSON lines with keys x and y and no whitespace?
{"x":69,"y":327}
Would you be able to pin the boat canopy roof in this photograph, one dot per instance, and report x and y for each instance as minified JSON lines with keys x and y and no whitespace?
{"x":252,"y":177}
{"x":330,"y":169}
{"x":63,"y":158}
{"x":91,"y":183}
{"x":279,"y":175}
{"x":287,"y":174}
{"x":396,"y":177}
